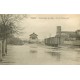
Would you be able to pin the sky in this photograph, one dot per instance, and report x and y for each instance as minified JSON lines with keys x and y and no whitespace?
{"x":44,"y":25}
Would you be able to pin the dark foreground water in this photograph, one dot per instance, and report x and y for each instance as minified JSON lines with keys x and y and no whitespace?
{"x":41,"y":54}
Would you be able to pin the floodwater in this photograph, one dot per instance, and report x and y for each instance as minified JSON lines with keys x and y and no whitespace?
{"x":32,"y":54}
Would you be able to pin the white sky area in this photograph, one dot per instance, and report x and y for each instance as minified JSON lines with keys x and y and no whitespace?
{"x":44,"y":25}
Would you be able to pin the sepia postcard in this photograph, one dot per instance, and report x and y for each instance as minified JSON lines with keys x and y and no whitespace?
{"x":39,"y":39}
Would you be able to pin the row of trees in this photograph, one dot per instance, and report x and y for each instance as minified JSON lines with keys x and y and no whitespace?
{"x":15,"y":41}
{"x":8,"y":27}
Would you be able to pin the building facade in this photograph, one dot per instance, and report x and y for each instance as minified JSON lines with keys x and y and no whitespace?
{"x":52,"y":41}
{"x":64,"y":38}
{"x":33,"y":38}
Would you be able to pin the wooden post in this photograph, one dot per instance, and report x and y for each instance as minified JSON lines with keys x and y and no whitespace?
{"x":3,"y":47}
{"x":6,"y":46}
{"x":0,"y":50}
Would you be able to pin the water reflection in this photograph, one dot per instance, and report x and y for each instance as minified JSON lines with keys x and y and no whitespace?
{"x":33,"y":51}
{"x":7,"y":62}
{"x":33,"y":47}
{"x":35,"y":54}
{"x":55,"y":54}
{"x":78,"y":56}
{"x":56,"y":48}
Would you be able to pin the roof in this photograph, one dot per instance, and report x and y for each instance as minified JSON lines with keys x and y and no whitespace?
{"x":77,"y":30}
{"x":33,"y":34}
{"x":50,"y":37}
{"x":67,"y":32}
{"x":70,"y":33}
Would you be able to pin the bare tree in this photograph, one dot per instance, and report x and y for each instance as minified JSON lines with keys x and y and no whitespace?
{"x":8,"y":27}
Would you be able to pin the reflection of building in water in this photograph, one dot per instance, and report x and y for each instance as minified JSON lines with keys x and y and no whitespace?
{"x":33,"y":38}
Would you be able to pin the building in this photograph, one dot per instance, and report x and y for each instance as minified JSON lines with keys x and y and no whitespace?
{"x":64,"y":38}
{"x":77,"y":41}
{"x":78,"y":34}
{"x":33,"y":38}
{"x":51,"y":41}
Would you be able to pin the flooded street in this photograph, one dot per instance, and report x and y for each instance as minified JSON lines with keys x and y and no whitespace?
{"x":41,"y":54}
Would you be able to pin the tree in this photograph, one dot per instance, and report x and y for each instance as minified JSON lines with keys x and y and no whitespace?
{"x":8,"y":26}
